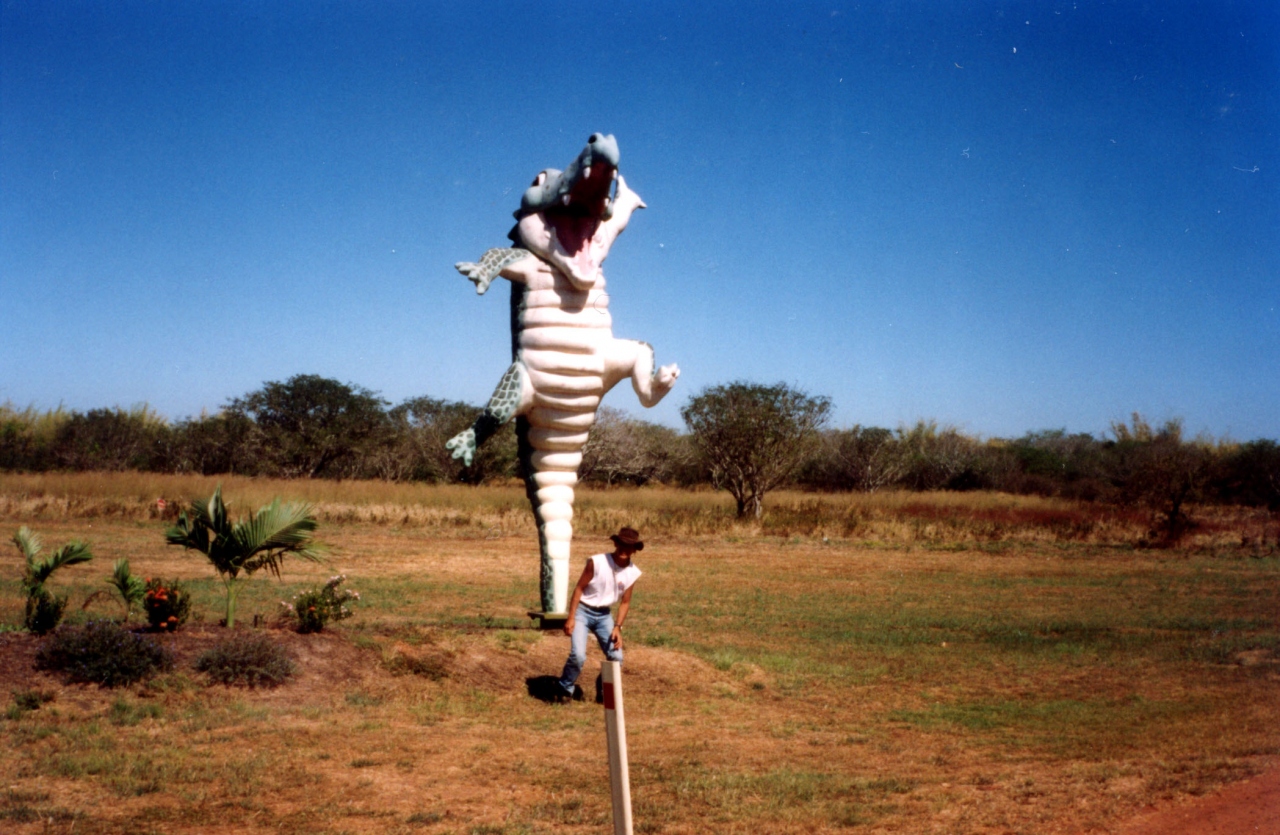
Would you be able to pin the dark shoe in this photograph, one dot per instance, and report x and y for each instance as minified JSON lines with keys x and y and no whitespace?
{"x":577,"y":693}
{"x":600,"y":689}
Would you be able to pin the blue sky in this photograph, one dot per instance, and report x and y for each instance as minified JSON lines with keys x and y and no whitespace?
{"x":1002,"y":216}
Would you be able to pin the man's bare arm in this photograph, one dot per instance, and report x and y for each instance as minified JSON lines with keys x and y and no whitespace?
{"x":624,"y":605}
{"x":588,"y":571}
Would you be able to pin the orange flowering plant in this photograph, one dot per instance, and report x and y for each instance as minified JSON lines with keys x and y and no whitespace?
{"x":167,"y":604}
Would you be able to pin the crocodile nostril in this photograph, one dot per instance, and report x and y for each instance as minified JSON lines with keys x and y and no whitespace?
{"x":595,"y":137}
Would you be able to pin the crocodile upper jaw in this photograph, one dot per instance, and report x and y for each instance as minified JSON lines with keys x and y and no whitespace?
{"x":582,"y":188}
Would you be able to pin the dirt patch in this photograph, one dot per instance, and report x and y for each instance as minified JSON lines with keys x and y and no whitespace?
{"x":1252,"y":807}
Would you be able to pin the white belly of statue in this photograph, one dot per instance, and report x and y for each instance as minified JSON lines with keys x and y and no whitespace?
{"x":563,"y":336}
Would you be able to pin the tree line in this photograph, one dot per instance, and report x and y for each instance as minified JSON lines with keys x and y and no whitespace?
{"x":744,"y":437}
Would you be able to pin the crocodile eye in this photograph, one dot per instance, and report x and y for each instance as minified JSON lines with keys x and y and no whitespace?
{"x":595,"y":137}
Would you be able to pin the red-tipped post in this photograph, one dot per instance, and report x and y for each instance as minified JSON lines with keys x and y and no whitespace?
{"x":615,"y":726}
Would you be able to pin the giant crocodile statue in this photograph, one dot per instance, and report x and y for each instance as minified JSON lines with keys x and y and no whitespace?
{"x":564,"y":355}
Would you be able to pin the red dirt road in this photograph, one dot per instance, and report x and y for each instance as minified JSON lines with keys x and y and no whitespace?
{"x":1251,"y":807}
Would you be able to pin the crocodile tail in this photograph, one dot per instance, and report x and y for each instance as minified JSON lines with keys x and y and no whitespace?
{"x":546,"y":579}
{"x":549,"y":478}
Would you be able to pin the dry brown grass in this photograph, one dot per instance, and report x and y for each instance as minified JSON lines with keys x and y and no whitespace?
{"x":775,"y":682}
{"x":892,"y":517}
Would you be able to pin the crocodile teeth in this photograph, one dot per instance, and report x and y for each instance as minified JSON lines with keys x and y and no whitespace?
{"x":586,"y":173}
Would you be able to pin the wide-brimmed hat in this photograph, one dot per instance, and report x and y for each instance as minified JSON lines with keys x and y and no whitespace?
{"x":629,"y":537}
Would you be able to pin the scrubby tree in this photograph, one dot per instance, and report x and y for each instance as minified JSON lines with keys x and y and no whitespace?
{"x":624,"y":450}
{"x":236,"y":548}
{"x":422,"y":425}
{"x":752,"y":437}
{"x":1250,"y":475}
{"x":313,"y":426}
{"x":939,"y":458}
{"x":1155,"y":467}
{"x":113,"y":440}
{"x":27,"y":437}
{"x":860,"y":458}
{"x":1053,"y":462}
{"x":227,"y":442}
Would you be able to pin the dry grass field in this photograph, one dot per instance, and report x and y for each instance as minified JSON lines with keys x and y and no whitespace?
{"x":946,"y":663}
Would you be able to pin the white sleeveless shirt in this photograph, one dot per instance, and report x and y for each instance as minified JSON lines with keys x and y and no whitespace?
{"x":608,"y":581}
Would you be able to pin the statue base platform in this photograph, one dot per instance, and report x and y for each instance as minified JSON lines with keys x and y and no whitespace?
{"x":549,"y":620}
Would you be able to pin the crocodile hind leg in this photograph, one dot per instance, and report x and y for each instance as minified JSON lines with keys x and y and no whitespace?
{"x":507,"y":400}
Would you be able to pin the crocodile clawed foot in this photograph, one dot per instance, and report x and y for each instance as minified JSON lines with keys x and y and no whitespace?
{"x":666,"y":377}
{"x":463,"y":446}
{"x":478,"y":274}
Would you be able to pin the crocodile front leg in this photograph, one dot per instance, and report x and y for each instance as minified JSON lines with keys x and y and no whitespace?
{"x":490,"y":266}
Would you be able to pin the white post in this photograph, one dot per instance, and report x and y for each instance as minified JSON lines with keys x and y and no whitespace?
{"x":615,"y":725}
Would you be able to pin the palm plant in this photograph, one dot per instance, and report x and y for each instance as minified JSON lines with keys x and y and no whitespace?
{"x":44,"y":609}
{"x":241,"y":548}
{"x":131,"y":588}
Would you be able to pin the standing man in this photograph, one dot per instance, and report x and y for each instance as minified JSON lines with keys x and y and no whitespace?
{"x":606,"y":579}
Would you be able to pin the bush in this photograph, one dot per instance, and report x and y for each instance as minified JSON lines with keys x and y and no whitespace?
{"x":43,"y":612}
{"x":103,"y":652}
{"x":167,"y":604}
{"x":314,"y":608}
{"x":252,"y":659}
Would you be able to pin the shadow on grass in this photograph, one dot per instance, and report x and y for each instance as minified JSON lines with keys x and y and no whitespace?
{"x":544,"y":688}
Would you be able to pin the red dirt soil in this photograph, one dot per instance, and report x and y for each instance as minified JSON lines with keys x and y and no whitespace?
{"x":1251,"y":807}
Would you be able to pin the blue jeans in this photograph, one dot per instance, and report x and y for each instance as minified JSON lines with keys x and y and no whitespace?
{"x":587,"y":619}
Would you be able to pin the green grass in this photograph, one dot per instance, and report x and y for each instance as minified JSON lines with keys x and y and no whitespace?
{"x":780,"y":794}
{"x":829,"y":626}
{"x":1067,"y":727}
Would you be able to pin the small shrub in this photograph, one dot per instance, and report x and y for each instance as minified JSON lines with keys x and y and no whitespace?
{"x":43,"y":612}
{"x":252,"y":659}
{"x":167,"y":603}
{"x":32,"y":699}
{"x":27,"y":700}
{"x":44,"y":609}
{"x":102,"y":652}
{"x":314,"y":608}
{"x":125,"y":712}
{"x":129,"y":586}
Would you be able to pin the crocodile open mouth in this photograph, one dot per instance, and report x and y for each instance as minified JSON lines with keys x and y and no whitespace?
{"x":591,"y":195}
{"x":562,"y":215}
{"x":573,"y":237}
{"x":587,"y":204}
